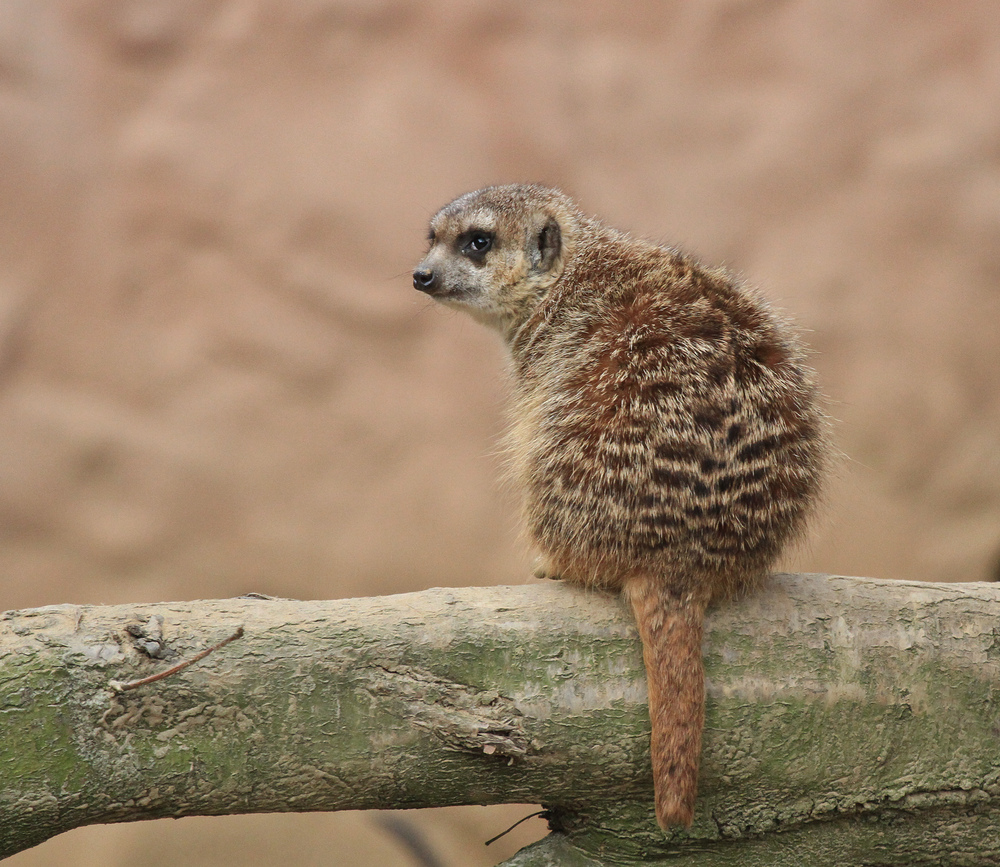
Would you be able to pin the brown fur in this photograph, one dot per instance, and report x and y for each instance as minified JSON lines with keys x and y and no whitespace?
{"x":665,"y":431}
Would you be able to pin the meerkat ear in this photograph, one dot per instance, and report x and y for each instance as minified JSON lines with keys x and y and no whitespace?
{"x":549,"y":241}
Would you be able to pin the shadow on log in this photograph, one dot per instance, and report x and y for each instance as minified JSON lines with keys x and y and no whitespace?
{"x":850,"y":721}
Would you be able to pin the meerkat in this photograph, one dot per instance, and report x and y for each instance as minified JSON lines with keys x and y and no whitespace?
{"x":665,"y":430}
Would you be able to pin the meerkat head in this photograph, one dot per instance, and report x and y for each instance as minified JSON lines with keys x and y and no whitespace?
{"x":496,"y":251}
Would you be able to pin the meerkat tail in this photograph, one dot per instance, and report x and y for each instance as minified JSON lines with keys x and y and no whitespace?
{"x":671,"y":630}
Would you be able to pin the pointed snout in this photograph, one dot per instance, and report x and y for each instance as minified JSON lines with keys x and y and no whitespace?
{"x":425,"y":279}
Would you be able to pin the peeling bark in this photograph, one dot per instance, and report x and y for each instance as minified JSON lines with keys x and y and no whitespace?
{"x":849,"y":721}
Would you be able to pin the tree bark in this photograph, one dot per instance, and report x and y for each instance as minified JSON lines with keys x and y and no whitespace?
{"x":849,"y":721}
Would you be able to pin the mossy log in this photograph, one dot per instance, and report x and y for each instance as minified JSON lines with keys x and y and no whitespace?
{"x":850,"y":721}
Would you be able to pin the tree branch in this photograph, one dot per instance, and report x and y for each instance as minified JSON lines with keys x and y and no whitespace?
{"x":849,"y":720}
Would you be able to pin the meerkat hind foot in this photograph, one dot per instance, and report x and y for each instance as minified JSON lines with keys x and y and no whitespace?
{"x":542,"y":569}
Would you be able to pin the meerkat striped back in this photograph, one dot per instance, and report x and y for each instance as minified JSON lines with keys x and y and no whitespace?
{"x":675,"y":423}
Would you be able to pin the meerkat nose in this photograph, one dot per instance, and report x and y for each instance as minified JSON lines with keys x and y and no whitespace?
{"x":424,"y":279}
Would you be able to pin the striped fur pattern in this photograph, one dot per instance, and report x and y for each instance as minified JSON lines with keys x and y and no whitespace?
{"x":665,"y":430}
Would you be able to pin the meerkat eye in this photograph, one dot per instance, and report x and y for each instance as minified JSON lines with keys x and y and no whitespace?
{"x":478,"y":243}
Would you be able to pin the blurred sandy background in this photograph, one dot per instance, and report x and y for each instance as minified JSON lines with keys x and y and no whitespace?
{"x":216,"y":378}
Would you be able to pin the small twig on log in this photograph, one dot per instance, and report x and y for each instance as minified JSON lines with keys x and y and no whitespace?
{"x":545,"y":814}
{"x":120,"y":687}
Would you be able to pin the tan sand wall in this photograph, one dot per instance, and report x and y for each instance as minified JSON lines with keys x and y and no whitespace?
{"x":215,"y":376}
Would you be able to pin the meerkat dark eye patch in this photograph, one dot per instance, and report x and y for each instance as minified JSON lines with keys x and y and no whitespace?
{"x":476,"y":242}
